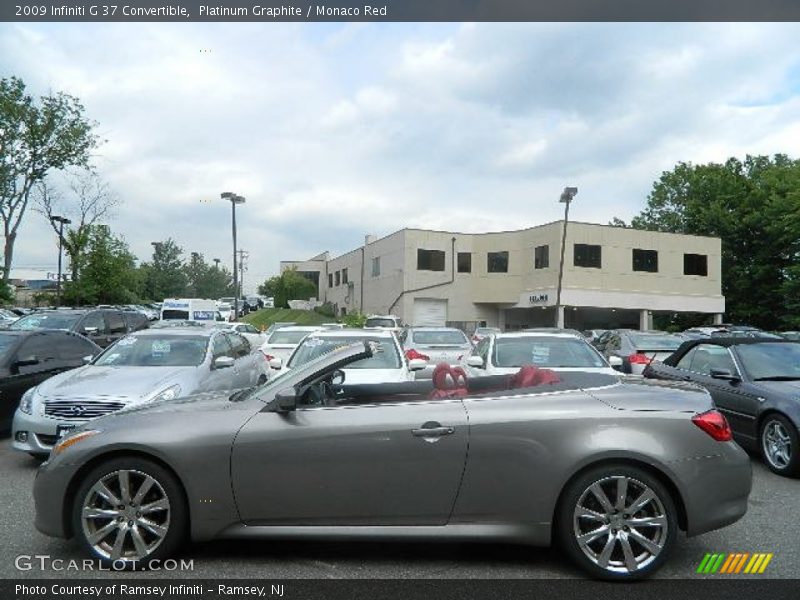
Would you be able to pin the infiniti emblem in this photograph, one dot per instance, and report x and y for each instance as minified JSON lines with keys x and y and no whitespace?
{"x":78,"y":410}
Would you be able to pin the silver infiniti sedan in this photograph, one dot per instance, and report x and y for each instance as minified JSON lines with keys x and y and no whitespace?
{"x":150,"y":365}
{"x":608,"y":468}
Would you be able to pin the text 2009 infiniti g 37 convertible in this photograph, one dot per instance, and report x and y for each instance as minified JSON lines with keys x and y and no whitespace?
{"x":608,"y":468}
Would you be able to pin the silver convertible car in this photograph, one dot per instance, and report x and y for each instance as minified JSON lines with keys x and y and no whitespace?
{"x":609,"y":469}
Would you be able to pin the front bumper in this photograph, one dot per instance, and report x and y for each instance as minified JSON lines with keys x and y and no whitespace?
{"x":50,"y":499}
{"x":42,"y":432}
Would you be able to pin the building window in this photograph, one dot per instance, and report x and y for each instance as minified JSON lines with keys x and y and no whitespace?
{"x":465,"y":262}
{"x":541,"y":257}
{"x":344,"y":276}
{"x":587,"y":255}
{"x":645,"y":260}
{"x":497,"y":262}
{"x":376,"y":266}
{"x":338,"y":277}
{"x":695,"y":264}
{"x":330,"y":280}
{"x":430,"y":260}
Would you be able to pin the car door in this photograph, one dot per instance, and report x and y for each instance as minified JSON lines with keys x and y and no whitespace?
{"x":93,"y":325}
{"x":220,"y":378}
{"x":34,"y":360}
{"x":351,"y":465}
{"x":245,"y":365}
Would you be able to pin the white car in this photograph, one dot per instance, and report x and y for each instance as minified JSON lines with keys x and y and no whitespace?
{"x":225,"y":310}
{"x":282,"y":341}
{"x":505,"y":353}
{"x":387,"y":365}
{"x":387,"y":322}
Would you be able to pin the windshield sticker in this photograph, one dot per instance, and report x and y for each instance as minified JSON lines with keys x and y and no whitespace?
{"x":540,"y":354}
{"x":160,"y":347}
{"x":128,"y":341}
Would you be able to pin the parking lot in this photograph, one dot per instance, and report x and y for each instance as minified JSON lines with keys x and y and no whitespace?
{"x":769,"y":526}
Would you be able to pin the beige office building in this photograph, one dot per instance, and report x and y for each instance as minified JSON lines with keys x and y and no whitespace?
{"x":612,"y":277}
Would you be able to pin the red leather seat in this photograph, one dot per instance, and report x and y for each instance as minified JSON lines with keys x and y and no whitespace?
{"x":531,"y":376}
{"x":448,"y":382}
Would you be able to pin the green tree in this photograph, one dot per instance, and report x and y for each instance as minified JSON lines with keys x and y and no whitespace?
{"x":206,"y":281}
{"x":165,"y":276}
{"x":108,"y":274}
{"x":754,"y":207}
{"x":36,"y":136}
{"x":289,"y":285}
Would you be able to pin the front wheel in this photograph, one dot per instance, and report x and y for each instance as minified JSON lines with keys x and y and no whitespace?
{"x":129,"y":512}
{"x":617,"y":522}
{"x":779,"y":445}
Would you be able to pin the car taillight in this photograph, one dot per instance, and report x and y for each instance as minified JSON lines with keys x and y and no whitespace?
{"x":638,"y":359}
{"x":714,"y":424}
{"x":412,"y":354}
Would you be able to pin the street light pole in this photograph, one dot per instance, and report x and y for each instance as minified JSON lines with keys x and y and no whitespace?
{"x":567,"y":196}
{"x":234,"y":200}
{"x":61,"y":222}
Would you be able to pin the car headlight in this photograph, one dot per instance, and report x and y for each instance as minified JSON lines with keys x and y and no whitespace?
{"x":168,"y":394}
{"x":73,"y":439}
{"x":26,"y":403}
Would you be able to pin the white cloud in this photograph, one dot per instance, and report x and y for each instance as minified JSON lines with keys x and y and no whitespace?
{"x":334,"y":131}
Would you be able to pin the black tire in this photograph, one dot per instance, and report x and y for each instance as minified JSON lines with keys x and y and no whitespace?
{"x":777,"y":463}
{"x":176,"y":514}
{"x":616,"y":530}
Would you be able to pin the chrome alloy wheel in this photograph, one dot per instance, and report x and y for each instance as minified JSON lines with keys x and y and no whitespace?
{"x":777,"y":445}
{"x":125,"y":515}
{"x":620,"y":524}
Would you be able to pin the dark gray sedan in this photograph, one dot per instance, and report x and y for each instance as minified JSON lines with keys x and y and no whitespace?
{"x":755,"y":382}
{"x":608,"y":468}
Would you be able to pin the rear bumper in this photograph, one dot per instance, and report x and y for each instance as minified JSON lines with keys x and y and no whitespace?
{"x":716,"y":488}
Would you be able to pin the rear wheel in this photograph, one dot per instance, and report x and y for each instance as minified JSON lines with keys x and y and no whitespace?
{"x":617,"y":522}
{"x":779,"y":445}
{"x":128,"y":512}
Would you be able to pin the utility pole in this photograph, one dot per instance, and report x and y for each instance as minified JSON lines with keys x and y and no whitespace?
{"x":567,"y":196}
{"x":243,"y":256}
{"x":234,"y":200}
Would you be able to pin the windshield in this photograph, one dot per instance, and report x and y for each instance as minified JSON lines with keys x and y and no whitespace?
{"x":655,"y":342}
{"x":377,"y":322}
{"x":45,"y":321}
{"x":155,"y":351}
{"x":174,"y":315}
{"x":545,"y":352}
{"x":313,"y":347}
{"x":444,"y":338}
{"x":287,"y":337}
{"x":771,"y":361}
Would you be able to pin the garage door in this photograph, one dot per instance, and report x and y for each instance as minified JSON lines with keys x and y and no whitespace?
{"x":430,"y":312}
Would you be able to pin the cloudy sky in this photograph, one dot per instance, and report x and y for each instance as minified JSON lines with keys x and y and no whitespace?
{"x":333,"y":131}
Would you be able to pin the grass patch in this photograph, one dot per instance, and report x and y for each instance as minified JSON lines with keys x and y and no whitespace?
{"x":267,"y":316}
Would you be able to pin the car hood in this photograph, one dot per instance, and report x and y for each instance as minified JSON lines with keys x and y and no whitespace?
{"x":638,"y":394}
{"x":121,"y":382}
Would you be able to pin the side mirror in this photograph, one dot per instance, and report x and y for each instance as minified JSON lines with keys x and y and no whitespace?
{"x":222,"y":362}
{"x":276,"y":363}
{"x":475,"y":361}
{"x":723,"y":374}
{"x":28,"y":361}
{"x":615,"y":362}
{"x":286,"y":400}
{"x":87,"y":359}
{"x":90,"y":330}
{"x":417,"y":364}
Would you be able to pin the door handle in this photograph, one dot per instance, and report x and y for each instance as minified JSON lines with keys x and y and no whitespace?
{"x":432,"y":431}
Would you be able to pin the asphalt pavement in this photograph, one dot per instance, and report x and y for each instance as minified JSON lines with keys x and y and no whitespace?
{"x":770,"y":526}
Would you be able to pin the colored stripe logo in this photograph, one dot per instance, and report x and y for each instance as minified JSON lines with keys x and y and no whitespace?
{"x":734,"y":563}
